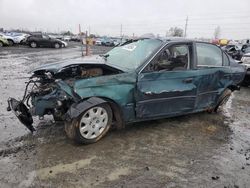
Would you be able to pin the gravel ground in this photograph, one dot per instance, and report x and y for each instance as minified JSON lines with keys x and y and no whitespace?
{"x":199,"y":150}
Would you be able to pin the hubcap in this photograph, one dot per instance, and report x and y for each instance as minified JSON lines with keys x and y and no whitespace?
{"x":57,"y":45}
{"x":33,"y":44}
{"x":93,"y":122}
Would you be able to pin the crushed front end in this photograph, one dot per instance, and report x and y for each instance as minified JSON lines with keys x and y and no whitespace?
{"x":44,"y":95}
{"x":50,"y":90}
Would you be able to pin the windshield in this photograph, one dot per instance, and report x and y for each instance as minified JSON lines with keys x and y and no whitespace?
{"x":132,"y":55}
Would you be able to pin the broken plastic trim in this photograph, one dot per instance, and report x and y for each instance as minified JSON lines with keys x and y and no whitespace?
{"x":22,"y":113}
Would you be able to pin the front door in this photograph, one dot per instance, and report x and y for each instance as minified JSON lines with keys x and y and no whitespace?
{"x":166,"y":86}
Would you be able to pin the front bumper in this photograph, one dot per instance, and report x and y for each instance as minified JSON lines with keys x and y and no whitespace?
{"x":22,"y":113}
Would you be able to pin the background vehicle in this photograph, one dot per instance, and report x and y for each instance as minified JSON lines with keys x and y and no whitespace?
{"x":107,"y":42}
{"x":233,"y":50}
{"x":245,"y":48}
{"x":11,"y":40}
{"x":3,"y":42}
{"x":98,"y":42}
{"x":40,"y":40}
{"x":66,"y":38}
{"x":75,"y":38}
{"x":246,"y":61}
{"x":142,"y":80}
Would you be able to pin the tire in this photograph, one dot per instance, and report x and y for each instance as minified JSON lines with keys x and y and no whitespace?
{"x":91,"y":125}
{"x":11,"y":42}
{"x":223,"y":99}
{"x":63,"y":46}
{"x":57,"y":45}
{"x":1,"y":44}
{"x":33,"y":44}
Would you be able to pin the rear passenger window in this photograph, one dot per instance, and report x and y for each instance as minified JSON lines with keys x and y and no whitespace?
{"x":208,"y":55}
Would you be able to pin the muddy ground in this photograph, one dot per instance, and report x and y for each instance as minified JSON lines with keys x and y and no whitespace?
{"x":199,"y":150}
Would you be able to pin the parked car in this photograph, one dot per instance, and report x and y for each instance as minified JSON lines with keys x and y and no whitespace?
{"x":246,"y":61}
{"x":66,"y":38}
{"x":233,"y":50}
{"x":41,"y":40}
{"x":98,"y":42}
{"x":3,"y":42}
{"x":144,"y":80}
{"x":245,"y":48}
{"x":107,"y":42}
{"x":18,"y":38}
{"x":11,"y":39}
{"x":76,"y":38}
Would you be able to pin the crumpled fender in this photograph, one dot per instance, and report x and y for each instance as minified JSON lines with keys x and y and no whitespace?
{"x":77,"y":108}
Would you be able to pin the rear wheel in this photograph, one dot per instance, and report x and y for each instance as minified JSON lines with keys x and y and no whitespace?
{"x":1,"y":44}
{"x":57,"y":45}
{"x":91,"y":125}
{"x":33,"y":44}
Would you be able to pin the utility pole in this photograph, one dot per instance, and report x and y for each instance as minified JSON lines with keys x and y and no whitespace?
{"x":87,"y":44}
{"x":185,"y":33}
{"x":121,"y":31}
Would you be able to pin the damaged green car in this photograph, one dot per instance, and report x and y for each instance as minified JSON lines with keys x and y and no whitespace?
{"x":142,"y":80}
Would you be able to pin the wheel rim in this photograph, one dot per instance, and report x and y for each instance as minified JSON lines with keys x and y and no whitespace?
{"x":1,"y":44}
{"x":33,"y":44}
{"x":93,"y":122}
{"x":57,"y":45}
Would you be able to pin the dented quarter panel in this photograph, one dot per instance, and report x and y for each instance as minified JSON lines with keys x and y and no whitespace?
{"x":211,"y":82}
{"x":118,"y":88}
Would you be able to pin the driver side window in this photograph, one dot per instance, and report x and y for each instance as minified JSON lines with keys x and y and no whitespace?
{"x":173,"y":58}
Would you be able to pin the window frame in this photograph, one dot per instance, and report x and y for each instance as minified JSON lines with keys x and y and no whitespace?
{"x":227,"y":56}
{"x":191,"y":62}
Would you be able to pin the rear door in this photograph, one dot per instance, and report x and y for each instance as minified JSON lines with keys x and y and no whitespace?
{"x":45,"y":41}
{"x":165,"y":86}
{"x":214,"y":74}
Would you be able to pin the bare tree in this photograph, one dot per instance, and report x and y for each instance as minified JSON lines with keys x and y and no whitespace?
{"x":175,"y":32}
{"x":217,"y":32}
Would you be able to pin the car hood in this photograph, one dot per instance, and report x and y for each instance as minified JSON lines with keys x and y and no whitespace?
{"x":90,"y":60}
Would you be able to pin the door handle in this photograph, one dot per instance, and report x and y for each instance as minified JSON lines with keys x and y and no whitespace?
{"x":226,"y":76}
{"x":188,"y":80}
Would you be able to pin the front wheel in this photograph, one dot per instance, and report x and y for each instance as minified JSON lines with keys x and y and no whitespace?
{"x":91,"y":125}
{"x":11,"y":42}
{"x":33,"y":44}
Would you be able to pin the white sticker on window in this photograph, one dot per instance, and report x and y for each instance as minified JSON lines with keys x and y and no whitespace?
{"x":129,"y":47}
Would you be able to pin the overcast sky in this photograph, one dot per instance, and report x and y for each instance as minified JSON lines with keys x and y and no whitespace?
{"x":105,"y":17}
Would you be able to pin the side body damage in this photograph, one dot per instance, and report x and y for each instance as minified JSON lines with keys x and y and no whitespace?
{"x":75,"y":90}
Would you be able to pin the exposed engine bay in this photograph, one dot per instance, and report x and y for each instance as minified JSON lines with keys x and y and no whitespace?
{"x":44,"y":94}
{"x":75,"y":72}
